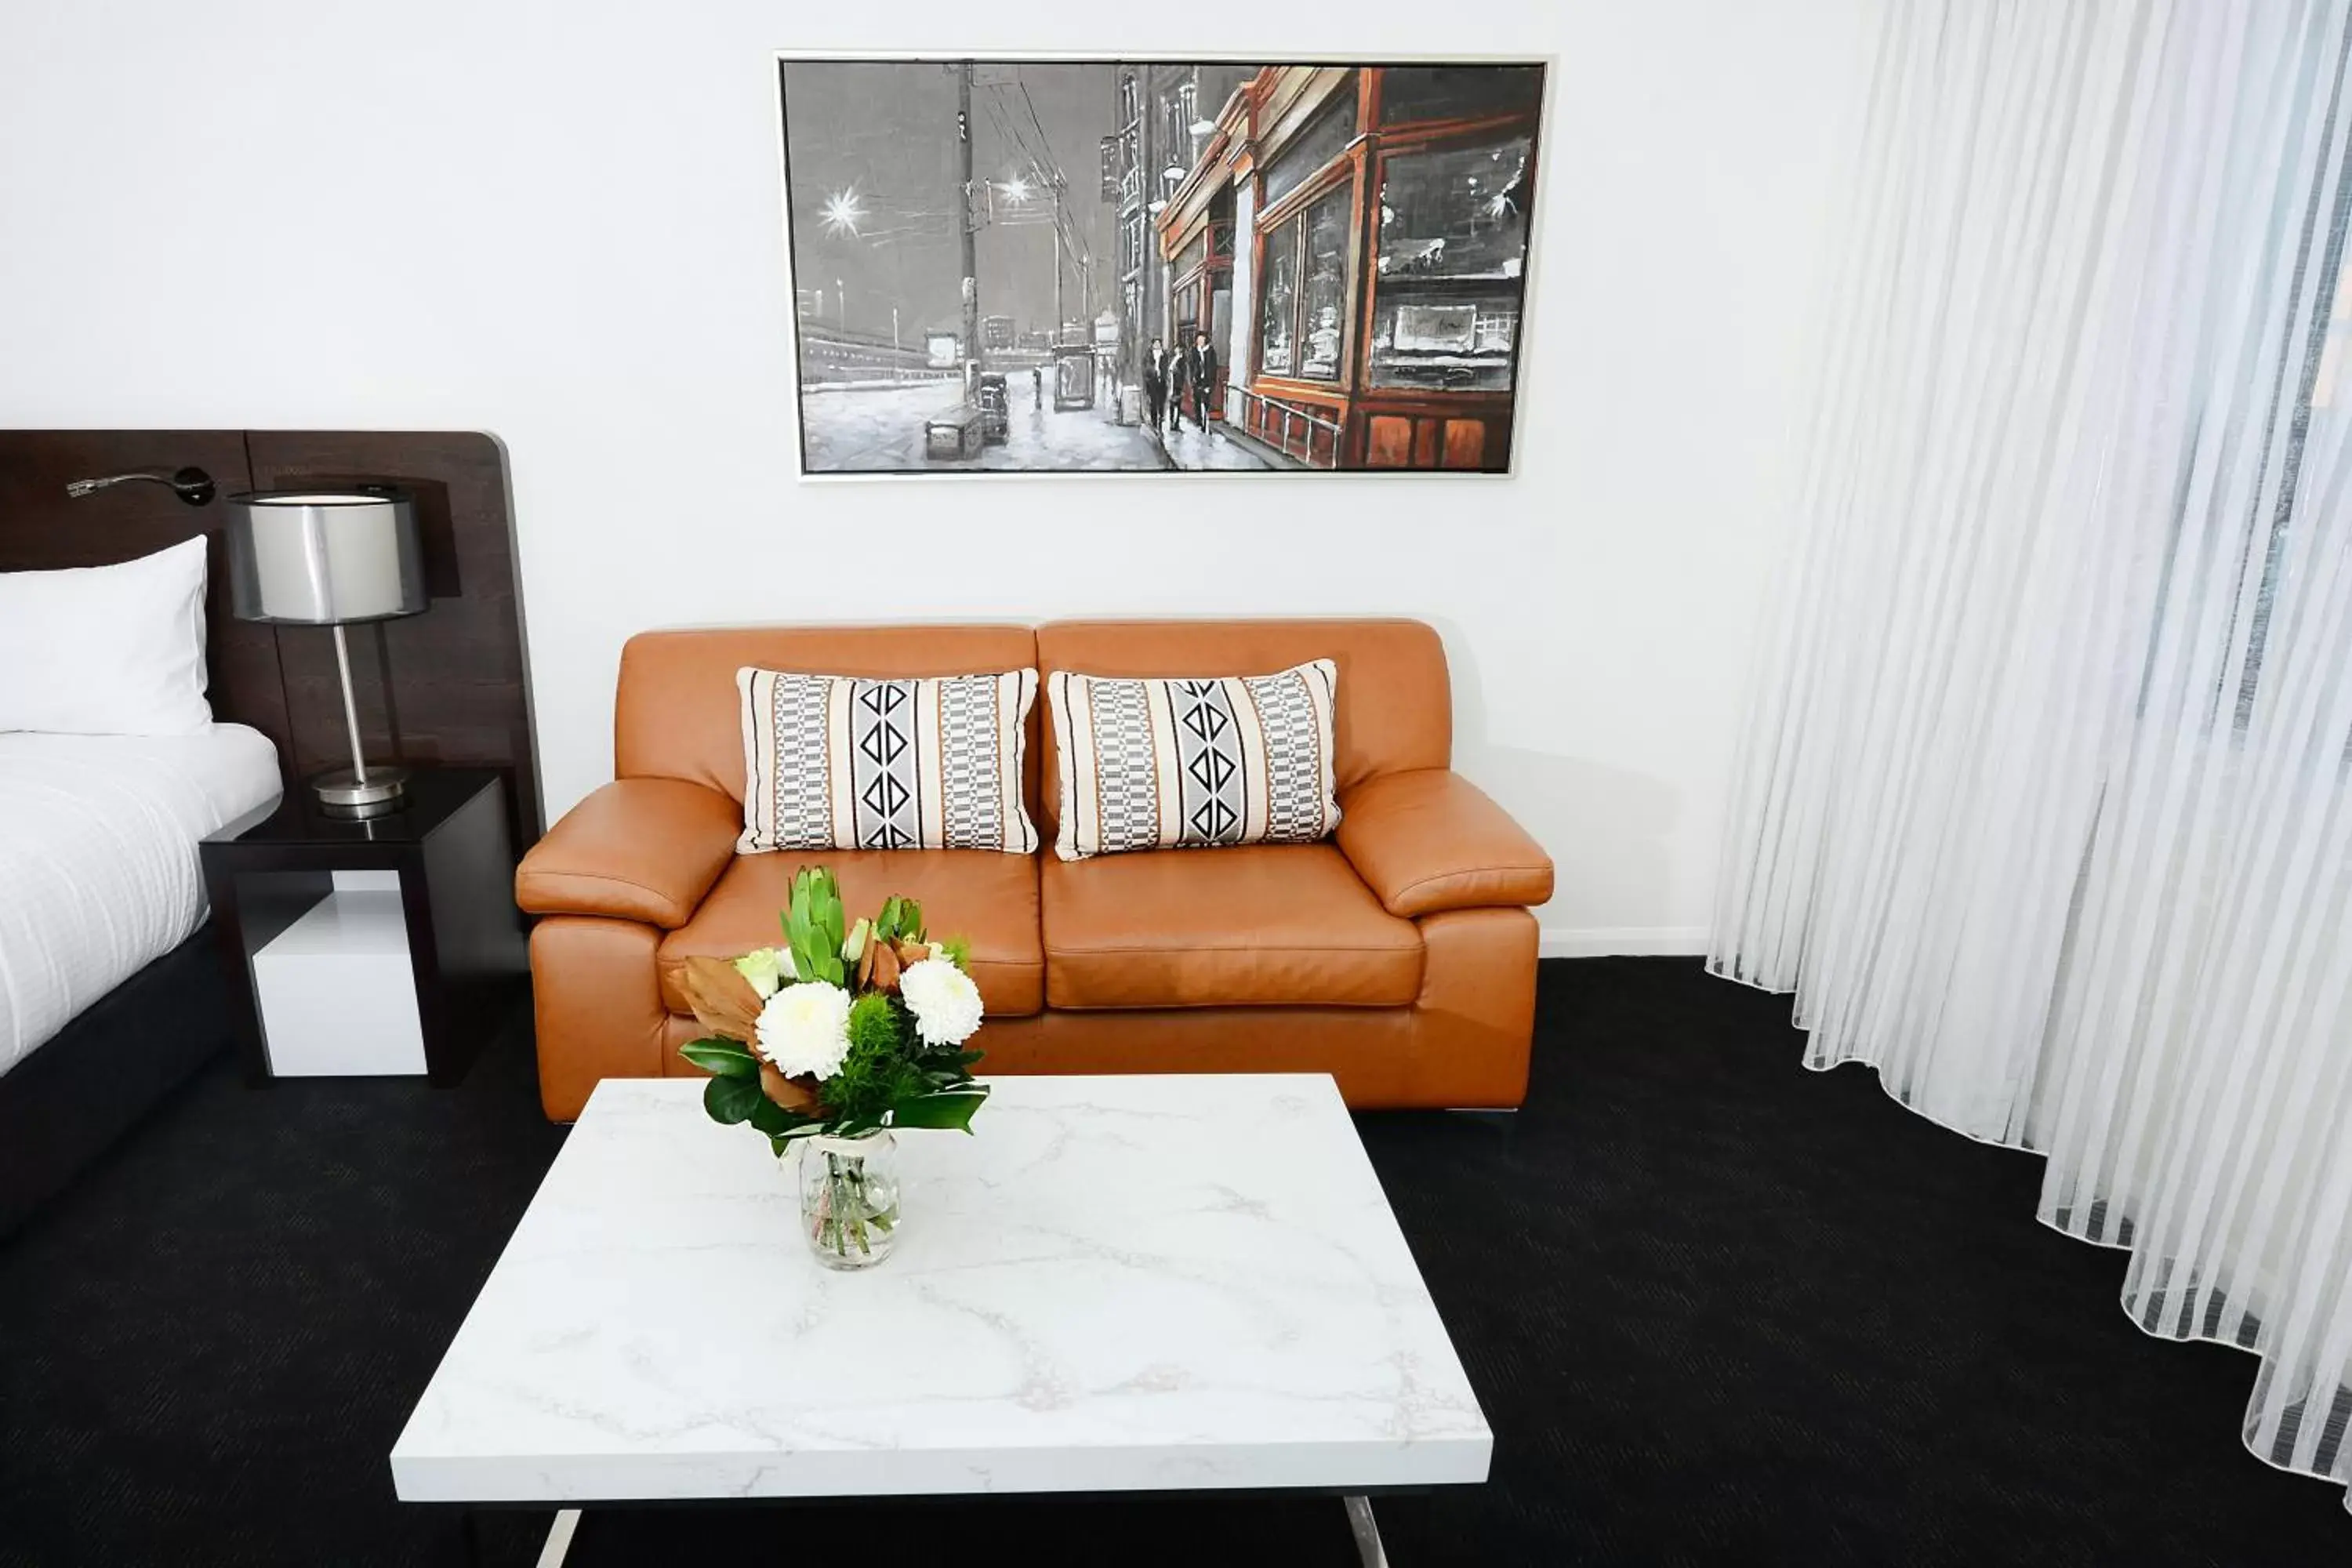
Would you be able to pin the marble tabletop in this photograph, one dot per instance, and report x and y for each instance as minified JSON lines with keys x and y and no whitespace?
{"x":1118,"y":1282}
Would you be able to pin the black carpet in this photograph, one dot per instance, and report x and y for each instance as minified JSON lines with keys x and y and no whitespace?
{"x":1718,"y":1310}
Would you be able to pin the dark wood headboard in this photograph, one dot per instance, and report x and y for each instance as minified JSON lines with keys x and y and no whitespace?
{"x":443,"y":687}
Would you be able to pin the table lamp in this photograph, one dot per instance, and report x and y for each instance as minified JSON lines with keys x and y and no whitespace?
{"x":330,"y":558}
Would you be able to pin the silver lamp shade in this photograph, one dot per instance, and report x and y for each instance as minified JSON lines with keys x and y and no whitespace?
{"x":328,"y":558}
{"x":324,"y":558}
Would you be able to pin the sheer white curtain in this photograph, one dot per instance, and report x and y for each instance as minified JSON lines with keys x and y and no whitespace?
{"x":2045,"y":804}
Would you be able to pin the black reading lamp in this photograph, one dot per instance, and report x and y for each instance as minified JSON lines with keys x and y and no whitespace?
{"x":193,"y":485}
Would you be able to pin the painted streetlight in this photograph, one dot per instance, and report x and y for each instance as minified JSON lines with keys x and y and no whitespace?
{"x":842,"y":213}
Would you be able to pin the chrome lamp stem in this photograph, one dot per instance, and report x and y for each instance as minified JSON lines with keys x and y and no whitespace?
{"x":351,"y":705}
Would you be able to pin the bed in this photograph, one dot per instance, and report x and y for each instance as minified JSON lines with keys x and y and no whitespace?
{"x":108,"y":998}
{"x":98,"y":854}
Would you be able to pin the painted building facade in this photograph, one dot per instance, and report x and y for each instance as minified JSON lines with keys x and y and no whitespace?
{"x":1355,"y":241}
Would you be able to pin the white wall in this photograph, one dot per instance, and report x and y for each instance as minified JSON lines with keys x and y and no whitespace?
{"x":559,"y":222}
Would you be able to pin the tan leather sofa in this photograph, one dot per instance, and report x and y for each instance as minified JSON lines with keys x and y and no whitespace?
{"x":1400,"y":957}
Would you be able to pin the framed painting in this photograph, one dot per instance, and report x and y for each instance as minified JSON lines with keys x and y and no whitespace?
{"x":1096,"y":265}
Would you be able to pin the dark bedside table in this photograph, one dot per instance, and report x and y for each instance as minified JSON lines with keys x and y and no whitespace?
{"x":386,"y":945}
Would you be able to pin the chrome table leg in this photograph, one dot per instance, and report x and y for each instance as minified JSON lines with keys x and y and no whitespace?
{"x":1367,"y":1531}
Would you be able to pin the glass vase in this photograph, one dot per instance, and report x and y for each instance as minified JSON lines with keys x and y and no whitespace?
{"x":849,"y":1198}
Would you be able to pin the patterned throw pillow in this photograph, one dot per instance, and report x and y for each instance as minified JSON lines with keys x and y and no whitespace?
{"x":1171,"y":763}
{"x":838,"y":762}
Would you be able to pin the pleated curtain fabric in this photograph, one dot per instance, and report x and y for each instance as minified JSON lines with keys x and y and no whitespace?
{"x":2044,"y":806}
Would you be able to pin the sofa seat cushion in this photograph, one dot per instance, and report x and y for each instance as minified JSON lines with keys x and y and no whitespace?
{"x":988,"y":898}
{"x":1261,"y":925}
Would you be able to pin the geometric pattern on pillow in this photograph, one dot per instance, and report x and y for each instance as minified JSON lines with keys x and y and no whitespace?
{"x":1192,"y":762}
{"x":841,"y":762}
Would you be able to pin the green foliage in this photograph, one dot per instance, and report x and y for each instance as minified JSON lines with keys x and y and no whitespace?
{"x":732,"y":1099}
{"x":878,"y":1026}
{"x":727,"y":1059}
{"x":776,"y":1121}
{"x":880,"y":1068}
{"x":959,"y":952}
{"x":901,"y":920}
{"x":813,"y":927}
{"x":953,"y":1109}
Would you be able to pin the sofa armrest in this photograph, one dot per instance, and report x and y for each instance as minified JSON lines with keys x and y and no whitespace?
{"x":637,"y":850}
{"x":1429,"y":839}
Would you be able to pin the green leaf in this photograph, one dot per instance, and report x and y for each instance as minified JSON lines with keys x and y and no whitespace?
{"x":952,"y":1110}
{"x":813,"y":890}
{"x":727,"y":1059}
{"x":774,"y":1121}
{"x":959,"y":951}
{"x":812,"y":926}
{"x":901,"y":919}
{"x":732,"y":1099}
{"x":811,"y":960}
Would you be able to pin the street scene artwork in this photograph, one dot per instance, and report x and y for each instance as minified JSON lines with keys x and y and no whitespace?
{"x":1102,"y":265}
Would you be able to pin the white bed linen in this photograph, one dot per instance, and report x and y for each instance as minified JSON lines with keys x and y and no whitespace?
{"x":98,"y":859}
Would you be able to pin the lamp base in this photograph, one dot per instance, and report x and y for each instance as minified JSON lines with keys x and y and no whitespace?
{"x":340,"y":793}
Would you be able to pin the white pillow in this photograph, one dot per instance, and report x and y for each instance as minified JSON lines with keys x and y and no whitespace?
{"x":106,"y":650}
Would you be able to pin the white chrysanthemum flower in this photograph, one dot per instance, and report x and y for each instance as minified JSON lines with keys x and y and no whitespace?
{"x":944,"y":1001}
{"x":805,"y":1029}
{"x":767,"y":968}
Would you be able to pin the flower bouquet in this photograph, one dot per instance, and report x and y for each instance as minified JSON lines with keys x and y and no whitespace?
{"x":831,"y":1040}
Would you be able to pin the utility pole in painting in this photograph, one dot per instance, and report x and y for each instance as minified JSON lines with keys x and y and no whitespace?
{"x":971,"y":225}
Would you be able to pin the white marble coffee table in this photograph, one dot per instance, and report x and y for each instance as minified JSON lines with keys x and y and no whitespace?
{"x":1168,"y":1283}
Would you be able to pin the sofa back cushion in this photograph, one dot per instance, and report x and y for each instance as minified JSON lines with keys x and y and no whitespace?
{"x":678,"y":713}
{"x":1395,"y":705}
